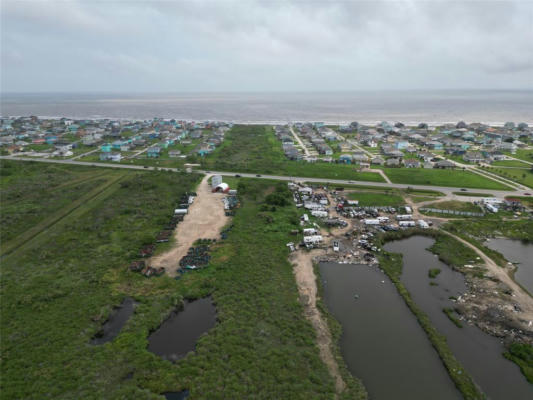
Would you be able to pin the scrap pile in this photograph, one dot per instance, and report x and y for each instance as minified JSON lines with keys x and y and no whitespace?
{"x":225,"y":231}
{"x":230,"y":203}
{"x":163,"y":236}
{"x":197,"y":256}
{"x":187,"y":199}
{"x":147,"y":250}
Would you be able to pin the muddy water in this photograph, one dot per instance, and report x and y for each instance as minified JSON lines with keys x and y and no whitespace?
{"x":516,"y":251}
{"x":382,"y":342}
{"x":179,"y":333}
{"x":176,"y":395}
{"x":480,"y":353}
{"x":115,"y":322}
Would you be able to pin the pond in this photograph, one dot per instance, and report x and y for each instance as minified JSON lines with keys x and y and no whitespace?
{"x":176,"y":395}
{"x":480,"y":353}
{"x":115,"y":322}
{"x":382,"y":343}
{"x":519,"y":252}
{"x":179,"y":333}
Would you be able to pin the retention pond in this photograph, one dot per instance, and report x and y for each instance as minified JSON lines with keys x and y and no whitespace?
{"x":480,"y":353}
{"x":382,"y":342}
{"x":517,"y":252}
{"x":115,"y":322}
{"x":179,"y":333}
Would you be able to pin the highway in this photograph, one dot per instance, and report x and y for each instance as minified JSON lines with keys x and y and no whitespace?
{"x":448,"y":191}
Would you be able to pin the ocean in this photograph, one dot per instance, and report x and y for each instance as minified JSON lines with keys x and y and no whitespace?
{"x":433,"y":107}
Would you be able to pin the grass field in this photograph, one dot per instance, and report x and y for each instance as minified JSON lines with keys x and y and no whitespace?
{"x":523,"y":154}
{"x":441,"y":177}
{"x":255,"y":149}
{"x":377,"y":199}
{"x":510,"y":163}
{"x":472,"y":194}
{"x":455,"y":205}
{"x":59,"y":287}
{"x":522,"y":176}
{"x":24,"y":185}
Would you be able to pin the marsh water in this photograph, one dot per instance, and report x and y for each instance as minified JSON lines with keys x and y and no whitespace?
{"x":179,"y":333}
{"x":115,"y":322}
{"x":382,"y":342}
{"x":478,"y":352}
{"x":176,"y":395}
{"x":518,"y":252}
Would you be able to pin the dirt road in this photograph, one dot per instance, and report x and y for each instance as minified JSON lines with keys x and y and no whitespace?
{"x":204,"y":221}
{"x":306,"y":281}
{"x":521,"y":296}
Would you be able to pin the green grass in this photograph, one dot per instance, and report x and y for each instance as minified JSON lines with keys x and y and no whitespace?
{"x":522,"y":355}
{"x":472,"y":194}
{"x":433,"y":272}
{"x":450,"y":313}
{"x":523,"y":176}
{"x":421,"y":199}
{"x":510,"y":163}
{"x":376,"y":199}
{"x":59,"y":287}
{"x":32,"y":192}
{"x":441,"y":177}
{"x":522,"y":154}
{"x":255,"y":149}
{"x":455,"y":205}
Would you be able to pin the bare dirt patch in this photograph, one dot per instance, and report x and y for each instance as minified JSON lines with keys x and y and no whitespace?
{"x":306,"y":281}
{"x":204,"y":221}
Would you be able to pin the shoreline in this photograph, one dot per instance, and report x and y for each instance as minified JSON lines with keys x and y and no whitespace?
{"x":431,"y":124}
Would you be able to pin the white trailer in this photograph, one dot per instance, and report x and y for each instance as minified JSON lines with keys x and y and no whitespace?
{"x":310,"y":231}
{"x":383,"y":219}
{"x":406,"y":224}
{"x":305,"y":217}
{"x":404,"y":217}
{"x":180,"y":211}
{"x":408,"y":210}
{"x":312,"y":240}
{"x":491,"y":208}
{"x":422,"y":224}
{"x":371,"y":221}
{"x":491,"y":200}
{"x":319,"y":213}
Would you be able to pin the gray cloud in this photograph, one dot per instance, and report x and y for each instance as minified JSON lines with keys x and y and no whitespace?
{"x":238,"y":45}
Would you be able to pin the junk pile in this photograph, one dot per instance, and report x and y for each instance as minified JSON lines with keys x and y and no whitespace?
{"x":146,"y":270}
{"x":197,"y":256}
{"x":225,"y":231}
{"x":230,"y":203}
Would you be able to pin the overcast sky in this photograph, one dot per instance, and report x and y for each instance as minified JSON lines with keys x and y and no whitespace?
{"x":208,"y":46}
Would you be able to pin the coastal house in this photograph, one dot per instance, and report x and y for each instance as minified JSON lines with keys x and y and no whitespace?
{"x":377,"y":161}
{"x":411,"y":163}
{"x":473,"y":157}
{"x":393,"y":162}
{"x":153,"y":152}
{"x":444,"y":164}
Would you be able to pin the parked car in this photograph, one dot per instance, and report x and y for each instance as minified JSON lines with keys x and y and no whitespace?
{"x":464,"y":190}
{"x":237,"y":176}
{"x":259,"y":176}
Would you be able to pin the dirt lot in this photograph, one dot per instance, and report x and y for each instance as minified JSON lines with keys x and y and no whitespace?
{"x":204,"y":221}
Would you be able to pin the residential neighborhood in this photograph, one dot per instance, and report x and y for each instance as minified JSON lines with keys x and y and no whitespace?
{"x":109,"y":140}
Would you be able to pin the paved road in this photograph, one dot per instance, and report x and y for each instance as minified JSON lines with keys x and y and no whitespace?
{"x":445,"y":190}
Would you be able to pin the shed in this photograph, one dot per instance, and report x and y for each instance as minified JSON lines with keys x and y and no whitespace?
{"x":223,"y":187}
